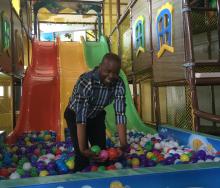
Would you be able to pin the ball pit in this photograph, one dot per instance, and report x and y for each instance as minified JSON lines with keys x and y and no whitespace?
{"x":38,"y":154}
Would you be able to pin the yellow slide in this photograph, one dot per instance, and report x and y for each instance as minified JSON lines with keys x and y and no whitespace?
{"x":72,"y":65}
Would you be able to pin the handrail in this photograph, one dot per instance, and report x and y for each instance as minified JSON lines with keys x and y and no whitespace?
{"x":207,"y":116}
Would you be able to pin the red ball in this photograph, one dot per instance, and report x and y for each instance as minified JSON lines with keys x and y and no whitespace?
{"x":58,"y":152}
{"x":4,"y":172}
{"x":111,"y":167}
{"x":112,"y":154}
{"x":94,"y":168}
{"x":37,"y":152}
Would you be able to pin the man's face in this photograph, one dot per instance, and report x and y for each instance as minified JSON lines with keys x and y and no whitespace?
{"x":109,"y":72}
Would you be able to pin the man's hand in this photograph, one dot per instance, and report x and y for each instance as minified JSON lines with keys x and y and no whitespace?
{"x":89,"y":154}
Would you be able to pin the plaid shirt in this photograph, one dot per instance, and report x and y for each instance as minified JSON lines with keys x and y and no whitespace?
{"x":90,"y":97}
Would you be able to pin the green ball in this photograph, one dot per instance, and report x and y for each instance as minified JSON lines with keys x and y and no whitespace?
{"x":43,"y":152}
{"x":101,"y":168}
{"x":96,"y":149}
{"x":148,"y":146}
{"x":33,"y":172}
{"x":189,"y":154}
{"x":54,"y":149}
{"x":14,"y":158}
{"x":20,"y":171}
{"x":154,"y":158}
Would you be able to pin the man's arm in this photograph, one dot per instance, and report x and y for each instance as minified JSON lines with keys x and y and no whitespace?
{"x":122,"y":134}
{"x":83,"y":144}
{"x":120,"y":106}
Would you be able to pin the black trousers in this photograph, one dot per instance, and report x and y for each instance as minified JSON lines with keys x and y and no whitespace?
{"x":95,"y":135}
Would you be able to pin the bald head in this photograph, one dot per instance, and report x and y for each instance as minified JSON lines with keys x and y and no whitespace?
{"x":109,"y":69}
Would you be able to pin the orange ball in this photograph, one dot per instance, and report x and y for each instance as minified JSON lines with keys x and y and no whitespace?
{"x":112,"y":153}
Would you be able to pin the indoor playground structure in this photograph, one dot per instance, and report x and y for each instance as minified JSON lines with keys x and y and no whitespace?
{"x":171,"y":70}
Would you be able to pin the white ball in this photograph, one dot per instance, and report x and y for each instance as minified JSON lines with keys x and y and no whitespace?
{"x":209,"y":160}
{"x":14,"y":175}
{"x":118,"y":165}
{"x":131,"y":140}
{"x":142,"y":143}
{"x":86,"y":186}
{"x":61,"y":148}
{"x":172,"y":151}
{"x":200,"y":161}
{"x":217,"y":159}
{"x":136,"y":140}
{"x":27,"y":166}
{"x":176,"y":161}
{"x":157,"y":146}
{"x":50,"y":156}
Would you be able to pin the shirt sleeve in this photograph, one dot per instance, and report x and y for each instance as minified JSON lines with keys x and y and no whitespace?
{"x":80,"y":99}
{"x":119,"y":103}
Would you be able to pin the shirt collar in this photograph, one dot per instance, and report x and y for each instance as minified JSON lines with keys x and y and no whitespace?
{"x":96,"y":74}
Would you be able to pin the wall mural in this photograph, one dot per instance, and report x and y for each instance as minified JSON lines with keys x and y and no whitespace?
{"x":164,"y":26}
{"x":139,"y":35}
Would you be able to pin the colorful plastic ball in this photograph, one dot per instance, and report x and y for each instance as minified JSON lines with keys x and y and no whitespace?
{"x":112,"y":153}
{"x":47,"y":137}
{"x":44,"y":173}
{"x":20,"y":171}
{"x":148,"y":146}
{"x":86,"y":186}
{"x":14,"y":175}
{"x":37,"y":152}
{"x":101,"y":168}
{"x":111,"y":167}
{"x":150,"y":163}
{"x":149,"y":155}
{"x":157,"y":146}
{"x":201,"y":155}
{"x":118,"y":165}
{"x":33,"y":172}
{"x":51,"y":166}
{"x":4,"y":172}
{"x":116,"y":184}
{"x":217,"y":159}
{"x":27,"y":166}
{"x":96,"y":149}
{"x":103,"y":155}
{"x":70,"y":164}
{"x":94,"y":168}
{"x":135,"y":162}
{"x":184,"y":158}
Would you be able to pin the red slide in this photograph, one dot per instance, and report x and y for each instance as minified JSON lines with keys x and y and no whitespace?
{"x":40,"y":101}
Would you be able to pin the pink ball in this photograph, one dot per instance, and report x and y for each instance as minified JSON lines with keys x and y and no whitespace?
{"x":103,"y":155}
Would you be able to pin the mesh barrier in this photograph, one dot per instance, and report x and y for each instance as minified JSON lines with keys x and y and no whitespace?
{"x":177,"y":109}
{"x":210,"y":68}
{"x":125,"y":47}
{"x":203,"y":21}
{"x":205,"y":35}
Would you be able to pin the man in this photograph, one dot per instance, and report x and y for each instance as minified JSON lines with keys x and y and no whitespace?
{"x":85,"y":115}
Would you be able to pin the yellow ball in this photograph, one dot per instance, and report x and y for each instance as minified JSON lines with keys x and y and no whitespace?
{"x":47,"y":137}
{"x":14,"y":149}
{"x":28,"y":143}
{"x":149,"y":155}
{"x":135,"y":162}
{"x":116,"y":184}
{"x":70,"y":164}
{"x":44,"y":173}
{"x":184,"y":158}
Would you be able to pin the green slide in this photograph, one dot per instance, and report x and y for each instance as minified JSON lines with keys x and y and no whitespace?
{"x":94,"y":51}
